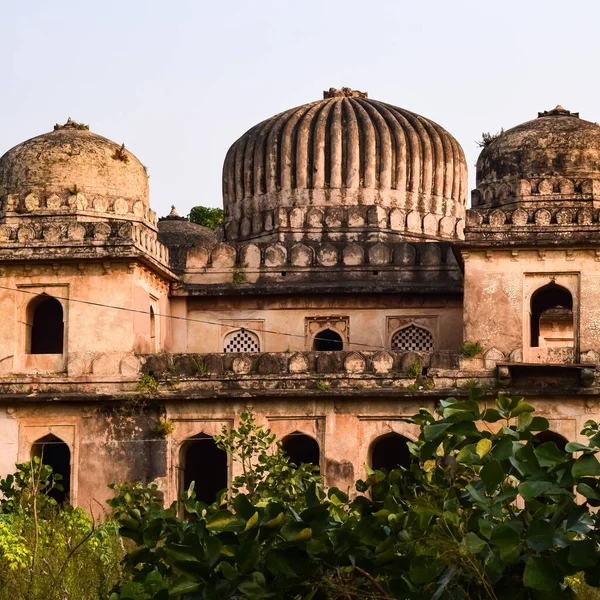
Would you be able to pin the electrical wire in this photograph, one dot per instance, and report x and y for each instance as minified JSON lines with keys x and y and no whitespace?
{"x":187,"y":319}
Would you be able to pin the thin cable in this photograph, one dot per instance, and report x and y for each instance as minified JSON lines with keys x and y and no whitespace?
{"x":187,"y":319}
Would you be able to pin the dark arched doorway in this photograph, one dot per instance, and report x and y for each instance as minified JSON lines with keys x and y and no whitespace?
{"x":390,"y":452}
{"x":45,"y":318}
{"x":52,"y":451}
{"x":552,"y":317}
{"x":328,"y":340}
{"x":550,"y":436}
{"x":301,"y":449}
{"x":204,"y":463}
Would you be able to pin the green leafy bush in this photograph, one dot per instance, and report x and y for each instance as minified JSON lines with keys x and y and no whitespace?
{"x":483,"y":511}
{"x":471,"y":349}
{"x":206,"y":216}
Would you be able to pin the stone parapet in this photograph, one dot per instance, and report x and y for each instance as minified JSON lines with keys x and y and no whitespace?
{"x":428,"y":263}
{"x":529,"y":224}
{"x":338,"y":223}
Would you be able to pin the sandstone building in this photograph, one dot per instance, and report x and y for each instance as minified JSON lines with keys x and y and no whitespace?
{"x":335,"y":299}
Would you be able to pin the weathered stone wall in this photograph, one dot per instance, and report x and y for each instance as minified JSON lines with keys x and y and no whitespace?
{"x":504,"y":279}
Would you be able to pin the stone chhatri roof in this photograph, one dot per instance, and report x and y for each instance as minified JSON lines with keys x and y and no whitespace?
{"x":558,"y":144}
{"x":73,"y":159}
{"x":345,"y":149}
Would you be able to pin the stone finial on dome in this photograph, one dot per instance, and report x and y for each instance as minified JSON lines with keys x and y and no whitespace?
{"x":559,"y":111}
{"x":70,"y":124}
{"x":345,"y":92}
{"x":173,"y":215}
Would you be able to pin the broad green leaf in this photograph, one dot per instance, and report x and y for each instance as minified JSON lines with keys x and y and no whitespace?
{"x":549,"y":455}
{"x":183,"y":585}
{"x":296,"y":532}
{"x":275,"y":521}
{"x":540,"y":575}
{"x":213,"y":549}
{"x":474,"y":543}
{"x":223,"y":520}
{"x":484,"y":445}
{"x":586,"y":466}
{"x":252,"y":521}
{"x":539,"y":424}
{"x":524,"y":420}
{"x":576,"y":447}
{"x":254,"y":587}
{"x":589,"y":492}
{"x":583,"y":554}
{"x":533,"y":489}
{"x":540,"y":535}
{"x":180,"y":552}
{"x":521,"y":408}
{"x":492,"y":474}
{"x":434,"y":431}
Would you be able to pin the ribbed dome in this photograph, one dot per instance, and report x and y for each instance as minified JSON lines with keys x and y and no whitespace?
{"x":552,"y":158}
{"x":345,"y":150}
{"x":71,"y":162}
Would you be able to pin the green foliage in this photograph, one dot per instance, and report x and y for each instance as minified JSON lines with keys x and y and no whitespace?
{"x":164,"y":427}
{"x":206,"y":216}
{"x":323,"y":385}
{"x":51,"y":552}
{"x":472,"y":383}
{"x":415,"y":368}
{"x":471,"y":349}
{"x":147,"y":385}
{"x":484,"y":511}
{"x":201,"y":369}
{"x":133,"y":496}
{"x":238,"y":276}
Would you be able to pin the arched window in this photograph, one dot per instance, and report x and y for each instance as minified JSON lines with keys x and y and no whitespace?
{"x":301,"y":449}
{"x":389,"y":452}
{"x":328,"y":340}
{"x":552,"y":317}
{"x":46,"y":327}
{"x":241,"y":340}
{"x":551,"y":436}
{"x":152,"y":326}
{"x":413,"y":338}
{"x":52,"y":451}
{"x":204,"y":463}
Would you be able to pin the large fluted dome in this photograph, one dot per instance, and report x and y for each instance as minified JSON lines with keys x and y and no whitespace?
{"x":72,"y":168}
{"x":326,"y":163}
{"x":554,"y":158}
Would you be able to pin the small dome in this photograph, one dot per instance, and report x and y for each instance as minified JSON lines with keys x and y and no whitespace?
{"x":345,"y":150}
{"x":550,"y":158}
{"x":72,"y":167}
{"x":179,"y":235}
{"x":175,"y":231}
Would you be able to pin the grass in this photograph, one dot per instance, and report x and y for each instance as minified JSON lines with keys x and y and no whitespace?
{"x":471,"y":349}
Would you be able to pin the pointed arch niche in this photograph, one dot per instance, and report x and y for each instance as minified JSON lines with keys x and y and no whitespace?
{"x":551,"y":318}
{"x":202,"y":462}
{"x":302,"y":449}
{"x":55,"y":453}
{"x":42,"y":332}
{"x":57,"y":445}
{"x":389,"y":451}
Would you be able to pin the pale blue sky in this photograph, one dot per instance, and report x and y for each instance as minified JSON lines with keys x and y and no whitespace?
{"x":179,"y":81}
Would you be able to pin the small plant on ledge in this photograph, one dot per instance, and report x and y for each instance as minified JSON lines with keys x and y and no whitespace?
{"x":471,"y":349}
{"x":121,"y":154}
{"x":323,"y":385}
{"x":415,"y":369}
{"x":201,"y":369}
{"x":164,"y":428}
{"x":238,"y":277}
{"x":147,"y":385}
